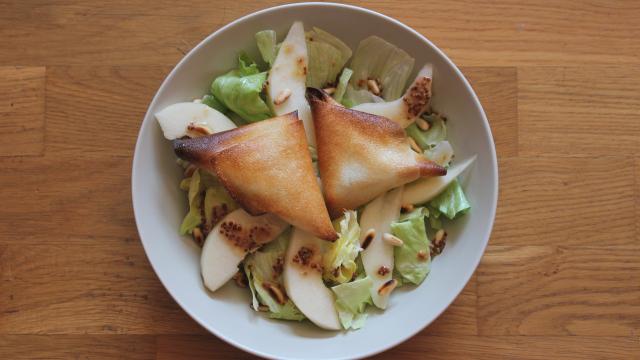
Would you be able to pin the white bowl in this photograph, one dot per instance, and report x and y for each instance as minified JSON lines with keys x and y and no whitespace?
{"x":159,"y":205}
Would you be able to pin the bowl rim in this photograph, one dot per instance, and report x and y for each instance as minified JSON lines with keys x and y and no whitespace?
{"x":230,"y":25}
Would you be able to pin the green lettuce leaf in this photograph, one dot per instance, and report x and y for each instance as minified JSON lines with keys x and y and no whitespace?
{"x":409,"y":264}
{"x":353,"y":97}
{"x":211,"y":101}
{"x":240,"y":90}
{"x":351,"y":300}
{"x":426,"y":139}
{"x":194,"y":216}
{"x":264,"y":266}
{"x":452,"y":201}
{"x":327,"y":56}
{"x":204,"y":191}
{"x":266,"y":40}
{"x":419,"y":212}
{"x":339,"y":259}
{"x":378,"y":59}
{"x":343,"y":81}
{"x":184,"y":184}
{"x":217,"y":204}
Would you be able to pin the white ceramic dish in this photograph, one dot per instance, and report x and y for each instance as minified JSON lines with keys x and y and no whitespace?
{"x":159,"y":205}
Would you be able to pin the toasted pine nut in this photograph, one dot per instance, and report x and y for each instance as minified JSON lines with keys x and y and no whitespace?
{"x":414,"y":145}
{"x":198,"y":236}
{"x":405,"y":208}
{"x":392,"y":240}
{"x":423,"y":124}
{"x":373,"y":86}
{"x":368,"y":237}
{"x":240,"y":279}
{"x":282,"y":97}
{"x":388,"y":287}
{"x":422,"y":255}
{"x":195,"y":130}
{"x":275,"y":292}
{"x":440,"y":235}
{"x":329,"y":90}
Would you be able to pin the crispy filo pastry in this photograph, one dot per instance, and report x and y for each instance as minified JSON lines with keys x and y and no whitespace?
{"x":267,"y":168}
{"x":360,"y":155}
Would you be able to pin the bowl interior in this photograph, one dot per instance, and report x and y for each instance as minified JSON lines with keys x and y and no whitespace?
{"x":159,"y":205}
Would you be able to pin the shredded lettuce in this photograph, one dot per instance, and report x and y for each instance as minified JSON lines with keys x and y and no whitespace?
{"x":266,"y":41}
{"x":378,"y":59}
{"x":419,"y":212}
{"x":412,"y":259}
{"x":327,"y":56}
{"x":343,"y":81}
{"x":353,"y":97}
{"x":217,"y":204}
{"x":435,"y":222}
{"x":193,"y":217}
{"x":184,"y":184}
{"x":204,"y":191}
{"x":351,"y":300}
{"x":264,"y":266}
{"x":452,"y":201}
{"x":339,"y":259}
{"x":211,"y":101}
{"x":240,"y":89}
{"x":426,"y":139}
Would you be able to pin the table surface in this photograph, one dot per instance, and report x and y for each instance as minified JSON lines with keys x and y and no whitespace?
{"x":560,"y":82}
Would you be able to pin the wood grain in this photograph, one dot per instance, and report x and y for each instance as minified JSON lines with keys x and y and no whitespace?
{"x":183,"y":347}
{"x":515,"y":347}
{"x":498,"y":91}
{"x":100,"y":108}
{"x":439,"y":347}
{"x":94,"y":287}
{"x":62,"y":347}
{"x":579,"y":110}
{"x":564,"y":200}
{"x":460,"y":318}
{"x":546,"y":290}
{"x":504,"y":34}
{"x":558,"y":81}
{"x":57,"y":199}
{"x":22,"y":110}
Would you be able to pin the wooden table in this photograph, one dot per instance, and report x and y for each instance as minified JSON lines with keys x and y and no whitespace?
{"x":560,"y":82}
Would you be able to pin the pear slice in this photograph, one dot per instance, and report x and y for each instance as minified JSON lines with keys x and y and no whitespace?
{"x":423,"y":190}
{"x":236,"y":235}
{"x":377,"y":256}
{"x":287,"y":79}
{"x":175,"y":120}
{"x":303,"y":280}
{"x":411,"y":105}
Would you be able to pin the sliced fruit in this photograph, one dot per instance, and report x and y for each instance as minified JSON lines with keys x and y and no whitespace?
{"x":411,"y":105}
{"x":176,"y":120}
{"x":303,"y":280}
{"x":231,"y":240}
{"x":423,"y":190}
{"x":287,"y":77}
{"x":377,"y":256}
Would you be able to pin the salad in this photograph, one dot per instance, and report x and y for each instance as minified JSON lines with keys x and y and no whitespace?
{"x":317,"y":177}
